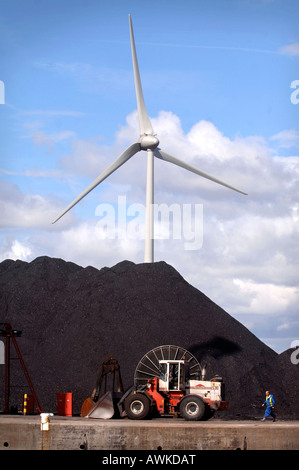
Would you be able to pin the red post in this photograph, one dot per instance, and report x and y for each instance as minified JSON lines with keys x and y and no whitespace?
{"x":64,"y":404}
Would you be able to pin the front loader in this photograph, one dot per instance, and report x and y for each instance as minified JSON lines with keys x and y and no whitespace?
{"x":170,"y":382}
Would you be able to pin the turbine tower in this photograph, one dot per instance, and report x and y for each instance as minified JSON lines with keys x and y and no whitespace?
{"x":149,"y":143}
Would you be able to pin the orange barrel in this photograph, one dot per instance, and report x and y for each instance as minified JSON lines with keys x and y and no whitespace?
{"x":64,"y":404}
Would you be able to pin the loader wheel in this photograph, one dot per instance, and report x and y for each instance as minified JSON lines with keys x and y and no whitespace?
{"x":192,"y":408}
{"x":137,"y":406}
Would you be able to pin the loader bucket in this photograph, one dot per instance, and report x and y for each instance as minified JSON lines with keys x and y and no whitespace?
{"x":103,"y":408}
{"x":86,"y":407}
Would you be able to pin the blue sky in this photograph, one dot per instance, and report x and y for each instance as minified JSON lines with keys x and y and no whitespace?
{"x":217,"y":79}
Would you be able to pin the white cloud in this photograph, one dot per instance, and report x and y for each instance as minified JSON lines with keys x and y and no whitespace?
{"x":13,"y":249}
{"x":290,"y":49}
{"x":243,"y":162}
{"x":25,"y":211}
{"x":283,"y":326}
{"x":87,"y":158}
{"x":40,"y":137}
{"x":265,"y":298}
{"x":287,"y":138}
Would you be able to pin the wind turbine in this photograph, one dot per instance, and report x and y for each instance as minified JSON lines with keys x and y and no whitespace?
{"x":149,"y":143}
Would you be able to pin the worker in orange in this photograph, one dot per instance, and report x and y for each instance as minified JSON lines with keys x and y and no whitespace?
{"x":269,"y":403}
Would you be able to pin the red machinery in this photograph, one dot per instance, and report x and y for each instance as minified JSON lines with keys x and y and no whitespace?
{"x":11,"y":334}
{"x":168,"y":382}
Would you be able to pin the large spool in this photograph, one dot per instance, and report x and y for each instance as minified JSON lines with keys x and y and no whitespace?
{"x":149,"y":367}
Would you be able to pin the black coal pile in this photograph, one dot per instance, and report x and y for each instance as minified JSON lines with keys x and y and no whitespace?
{"x":74,"y":318}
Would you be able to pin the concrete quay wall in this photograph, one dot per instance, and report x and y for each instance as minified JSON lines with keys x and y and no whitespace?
{"x":75,"y":433}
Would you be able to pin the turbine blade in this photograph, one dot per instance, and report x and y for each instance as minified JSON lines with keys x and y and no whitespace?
{"x":169,"y":158}
{"x":134,"y":148}
{"x":144,"y":120}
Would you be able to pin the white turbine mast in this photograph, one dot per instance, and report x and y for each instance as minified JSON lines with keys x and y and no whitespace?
{"x":148,"y":142}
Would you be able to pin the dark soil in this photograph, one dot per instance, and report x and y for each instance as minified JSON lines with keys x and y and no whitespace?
{"x":74,"y":318}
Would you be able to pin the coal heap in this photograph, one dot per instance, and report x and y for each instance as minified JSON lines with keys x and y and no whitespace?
{"x":73,"y":318}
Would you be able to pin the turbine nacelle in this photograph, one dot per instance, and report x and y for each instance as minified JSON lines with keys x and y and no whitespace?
{"x":148,"y":142}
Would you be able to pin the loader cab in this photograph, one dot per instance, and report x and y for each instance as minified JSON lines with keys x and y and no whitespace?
{"x":172,"y":375}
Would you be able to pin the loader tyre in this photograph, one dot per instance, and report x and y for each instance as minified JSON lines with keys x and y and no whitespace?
{"x":137,"y":406}
{"x":192,"y":408}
